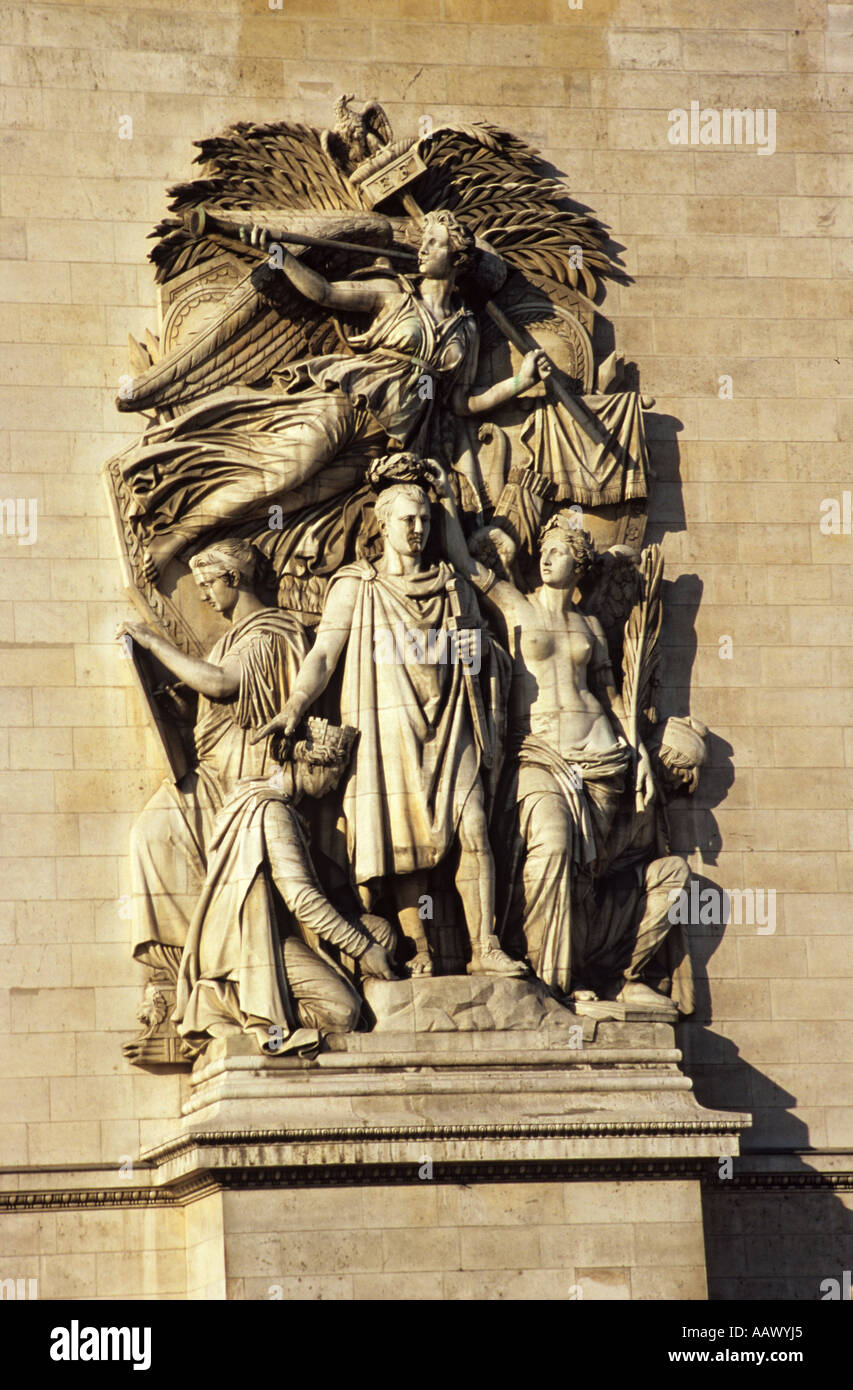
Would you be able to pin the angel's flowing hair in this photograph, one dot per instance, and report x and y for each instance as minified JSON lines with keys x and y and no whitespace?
{"x":460,"y":239}
{"x":579,"y":543}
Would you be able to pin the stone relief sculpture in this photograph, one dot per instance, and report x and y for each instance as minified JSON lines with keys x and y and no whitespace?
{"x":570,"y":754}
{"x":629,"y":938}
{"x":385,"y":481}
{"x":246,"y":961}
{"x":246,"y":674}
{"x":427,"y":723}
{"x":208,"y":854}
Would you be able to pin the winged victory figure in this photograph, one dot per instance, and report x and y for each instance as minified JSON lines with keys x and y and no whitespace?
{"x":284,"y":369}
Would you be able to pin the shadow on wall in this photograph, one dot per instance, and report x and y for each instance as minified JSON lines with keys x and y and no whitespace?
{"x":775,"y":1228}
{"x":778,"y":1237}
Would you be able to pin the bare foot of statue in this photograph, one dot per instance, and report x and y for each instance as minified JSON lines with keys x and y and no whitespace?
{"x":635,"y":992}
{"x":491,"y":960}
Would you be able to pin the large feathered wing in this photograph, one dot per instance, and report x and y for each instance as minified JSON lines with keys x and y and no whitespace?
{"x":260,"y":326}
{"x":609,"y":592}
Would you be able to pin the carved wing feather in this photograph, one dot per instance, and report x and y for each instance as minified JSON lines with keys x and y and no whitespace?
{"x":263,"y":323}
{"x":260,"y":326}
{"x":609,"y":593}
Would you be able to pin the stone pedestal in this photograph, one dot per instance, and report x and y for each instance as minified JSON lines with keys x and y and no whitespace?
{"x":326,"y":1177}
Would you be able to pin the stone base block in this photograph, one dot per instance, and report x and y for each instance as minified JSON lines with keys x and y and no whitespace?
{"x":554,"y":1241}
{"x":480,"y":1142}
{"x":497,"y":1072}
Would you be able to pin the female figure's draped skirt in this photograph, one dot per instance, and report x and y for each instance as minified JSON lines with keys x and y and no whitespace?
{"x":565,"y":805}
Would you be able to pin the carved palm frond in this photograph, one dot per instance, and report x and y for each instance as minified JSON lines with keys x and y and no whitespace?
{"x":498,"y":185}
{"x":641,"y":652}
{"x":251,"y":167}
{"x":262,"y":324}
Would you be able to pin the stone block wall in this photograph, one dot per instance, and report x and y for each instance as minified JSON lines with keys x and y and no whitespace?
{"x":738,"y":318}
{"x":127,"y":1252}
{"x":536,"y":1240}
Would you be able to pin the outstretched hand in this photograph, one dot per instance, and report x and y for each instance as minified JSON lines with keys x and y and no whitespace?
{"x":283,"y":723}
{"x":438,"y":477}
{"x":137,"y":632}
{"x":260,"y":237}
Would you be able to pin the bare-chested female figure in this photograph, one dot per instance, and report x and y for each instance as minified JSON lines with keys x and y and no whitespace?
{"x":572,"y":751}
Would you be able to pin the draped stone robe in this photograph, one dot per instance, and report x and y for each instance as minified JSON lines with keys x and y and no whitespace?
{"x":418,"y":756}
{"x":309,"y":437}
{"x":169,"y":842}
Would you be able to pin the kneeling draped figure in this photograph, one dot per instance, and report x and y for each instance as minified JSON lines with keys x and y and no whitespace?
{"x":248,"y":966}
{"x":196,"y":842}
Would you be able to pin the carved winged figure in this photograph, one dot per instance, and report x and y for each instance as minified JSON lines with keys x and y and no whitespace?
{"x":339,"y":307}
{"x":264,"y":393}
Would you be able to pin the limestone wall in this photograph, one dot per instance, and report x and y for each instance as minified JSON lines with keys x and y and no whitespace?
{"x":741,"y":265}
{"x":550,"y":1241}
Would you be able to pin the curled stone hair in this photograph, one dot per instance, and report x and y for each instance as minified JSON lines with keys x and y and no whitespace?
{"x":225,"y":557}
{"x":578,"y":542}
{"x":460,"y":238}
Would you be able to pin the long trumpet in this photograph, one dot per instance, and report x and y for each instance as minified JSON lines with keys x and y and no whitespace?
{"x":225,"y":228}
{"x":219,"y":227}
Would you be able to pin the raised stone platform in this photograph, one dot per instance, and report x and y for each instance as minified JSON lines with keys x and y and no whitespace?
{"x":462,"y":1004}
{"x":574,"y":1146}
{"x":501,"y":1073}
{"x":480,"y":1003}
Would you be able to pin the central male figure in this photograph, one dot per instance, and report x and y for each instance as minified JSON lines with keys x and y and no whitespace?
{"x":425,"y":721}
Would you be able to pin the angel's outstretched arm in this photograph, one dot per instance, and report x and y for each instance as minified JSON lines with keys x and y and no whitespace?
{"x":534,"y":366}
{"x":505,"y":597}
{"x":364,"y":295}
{"x":457,"y":549}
